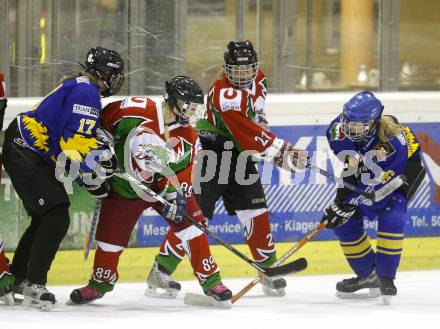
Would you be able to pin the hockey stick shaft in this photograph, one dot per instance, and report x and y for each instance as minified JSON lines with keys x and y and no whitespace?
{"x":280,"y":260}
{"x":282,"y":270}
{"x":89,"y":239}
{"x":340,"y":180}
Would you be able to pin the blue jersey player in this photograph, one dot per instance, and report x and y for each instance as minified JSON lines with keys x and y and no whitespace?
{"x":375,"y":149}
{"x":65,"y":123}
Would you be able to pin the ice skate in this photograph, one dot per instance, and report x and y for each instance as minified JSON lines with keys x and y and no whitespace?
{"x":221,"y":296}
{"x":6,"y":292}
{"x":387,"y":289}
{"x":275,"y":286}
{"x":17,"y":289}
{"x":36,"y":295}
{"x":160,"y":284}
{"x":84,"y":295}
{"x":347,"y":288}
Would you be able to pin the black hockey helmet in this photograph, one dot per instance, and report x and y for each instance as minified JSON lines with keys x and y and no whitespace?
{"x":241,"y":63}
{"x":185,"y":97}
{"x":108,"y":66}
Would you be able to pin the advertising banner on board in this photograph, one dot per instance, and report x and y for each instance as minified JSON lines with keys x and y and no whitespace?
{"x":296,"y":203}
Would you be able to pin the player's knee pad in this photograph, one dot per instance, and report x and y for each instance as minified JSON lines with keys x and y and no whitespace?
{"x":187,"y":235}
{"x":108,"y":247}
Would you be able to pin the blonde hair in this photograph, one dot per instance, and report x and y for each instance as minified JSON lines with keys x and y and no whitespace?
{"x":93,"y":78}
{"x":221,"y":74}
{"x":388,"y":127}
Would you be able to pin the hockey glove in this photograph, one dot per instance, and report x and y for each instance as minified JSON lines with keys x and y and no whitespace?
{"x":99,"y":191}
{"x":104,"y":138}
{"x":337,"y":214}
{"x":107,"y":160}
{"x":290,"y":158}
{"x":108,"y":165}
{"x":175,"y":209}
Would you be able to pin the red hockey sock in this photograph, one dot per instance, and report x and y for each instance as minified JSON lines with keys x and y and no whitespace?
{"x":105,"y":270}
{"x":4,"y":267}
{"x":259,"y":238}
{"x":171,"y":252}
{"x":204,"y":266}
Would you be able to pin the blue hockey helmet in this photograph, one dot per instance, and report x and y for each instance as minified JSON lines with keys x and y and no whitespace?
{"x":360,"y":114}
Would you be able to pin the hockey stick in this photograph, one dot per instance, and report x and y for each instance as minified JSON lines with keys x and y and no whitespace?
{"x":374,"y":196}
{"x":88,"y":239}
{"x":295,"y":266}
{"x":380,"y":194}
{"x":281,"y":260}
{"x":341,"y":181}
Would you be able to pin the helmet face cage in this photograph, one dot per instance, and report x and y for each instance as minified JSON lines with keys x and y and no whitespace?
{"x":189,"y":112}
{"x":185,"y":97}
{"x":108,"y":66}
{"x":241,"y":76}
{"x":241,"y":63}
{"x":356,"y":131}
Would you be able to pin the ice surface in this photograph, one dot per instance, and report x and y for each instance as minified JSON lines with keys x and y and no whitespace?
{"x":310,"y":303}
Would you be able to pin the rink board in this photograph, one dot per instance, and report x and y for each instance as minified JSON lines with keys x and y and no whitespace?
{"x":295,"y":203}
{"x":324,"y":257}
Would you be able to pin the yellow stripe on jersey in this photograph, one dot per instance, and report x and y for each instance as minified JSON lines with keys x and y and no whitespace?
{"x":410,"y":141}
{"x":39,"y":102}
{"x":78,"y":146}
{"x":38,"y":133}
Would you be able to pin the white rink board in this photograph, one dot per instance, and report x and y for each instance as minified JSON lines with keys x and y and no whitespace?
{"x":310,"y":303}
{"x":307,"y":108}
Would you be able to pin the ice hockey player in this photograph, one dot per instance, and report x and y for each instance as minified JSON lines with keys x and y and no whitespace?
{"x":235,"y":122}
{"x":6,"y":278}
{"x":143,"y":129}
{"x":65,"y":121}
{"x":378,"y":143}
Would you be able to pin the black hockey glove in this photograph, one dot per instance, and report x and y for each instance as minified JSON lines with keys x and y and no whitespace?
{"x":175,"y":210}
{"x":337,"y":214}
{"x":99,"y":191}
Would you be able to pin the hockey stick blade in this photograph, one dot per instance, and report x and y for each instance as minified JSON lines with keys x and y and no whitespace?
{"x":297,"y":265}
{"x":205,"y":301}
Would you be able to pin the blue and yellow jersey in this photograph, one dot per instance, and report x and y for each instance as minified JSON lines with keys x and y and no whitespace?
{"x":388,"y":158}
{"x":64,"y":121}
